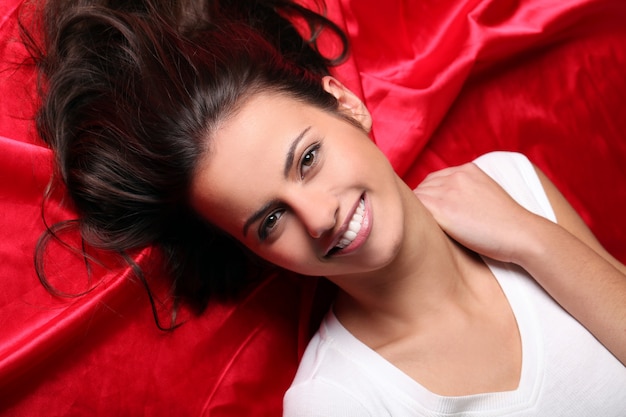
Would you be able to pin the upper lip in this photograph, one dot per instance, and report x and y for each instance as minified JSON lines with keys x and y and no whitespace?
{"x":344,"y":226}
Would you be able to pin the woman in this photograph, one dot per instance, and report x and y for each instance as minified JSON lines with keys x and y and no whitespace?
{"x":306,"y":190}
{"x":242,"y":138}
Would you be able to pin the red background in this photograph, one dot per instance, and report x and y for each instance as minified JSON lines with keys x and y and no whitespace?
{"x":444,"y":81}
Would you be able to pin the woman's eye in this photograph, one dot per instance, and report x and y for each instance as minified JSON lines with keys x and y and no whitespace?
{"x":309,"y":159}
{"x":269,"y":224}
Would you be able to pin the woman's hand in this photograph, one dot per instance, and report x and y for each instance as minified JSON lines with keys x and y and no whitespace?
{"x":475,"y":211}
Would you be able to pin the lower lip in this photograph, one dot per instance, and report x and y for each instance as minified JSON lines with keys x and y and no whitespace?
{"x":361,"y":237}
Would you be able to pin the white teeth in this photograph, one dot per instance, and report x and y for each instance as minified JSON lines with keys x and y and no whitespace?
{"x":349,"y":235}
{"x":354,"y":226}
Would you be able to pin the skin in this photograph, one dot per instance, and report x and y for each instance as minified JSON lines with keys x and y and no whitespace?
{"x":425,"y":303}
{"x":314,"y":202}
{"x":564,"y":257}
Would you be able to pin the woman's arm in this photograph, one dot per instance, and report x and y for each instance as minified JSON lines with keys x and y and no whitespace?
{"x":567,"y":217}
{"x":565,"y":258}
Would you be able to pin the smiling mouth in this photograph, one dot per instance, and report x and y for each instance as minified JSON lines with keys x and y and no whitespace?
{"x":354,"y":227}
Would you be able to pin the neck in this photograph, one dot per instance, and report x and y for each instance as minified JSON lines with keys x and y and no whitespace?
{"x":430,"y":274}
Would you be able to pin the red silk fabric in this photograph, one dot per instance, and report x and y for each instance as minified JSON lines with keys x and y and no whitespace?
{"x":444,"y":81}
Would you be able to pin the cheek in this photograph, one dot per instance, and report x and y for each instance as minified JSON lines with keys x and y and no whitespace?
{"x":290,"y":252}
{"x":358,"y":159}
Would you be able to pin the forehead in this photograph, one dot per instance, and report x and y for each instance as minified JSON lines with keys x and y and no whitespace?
{"x":246,"y":158}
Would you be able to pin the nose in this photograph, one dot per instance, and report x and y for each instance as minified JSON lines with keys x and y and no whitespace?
{"x":317,"y":210}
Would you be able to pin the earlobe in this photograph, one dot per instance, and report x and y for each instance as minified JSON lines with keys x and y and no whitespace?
{"x":349,"y":103}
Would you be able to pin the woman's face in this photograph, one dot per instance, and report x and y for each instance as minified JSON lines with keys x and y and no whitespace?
{"x":303,"y":188}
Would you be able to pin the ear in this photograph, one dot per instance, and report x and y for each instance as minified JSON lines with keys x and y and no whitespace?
{"x":349,"y":103}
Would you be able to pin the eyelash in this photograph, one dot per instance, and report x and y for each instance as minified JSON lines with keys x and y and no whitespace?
{"x":312,"y":150}
{"x":274,"y":216}
{"x":264,"y":229}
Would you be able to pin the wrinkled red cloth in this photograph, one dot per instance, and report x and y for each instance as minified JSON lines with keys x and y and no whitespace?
{"x":444,"y":81}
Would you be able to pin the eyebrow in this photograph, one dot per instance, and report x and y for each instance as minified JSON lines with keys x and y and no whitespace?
{"x":288,"y":164}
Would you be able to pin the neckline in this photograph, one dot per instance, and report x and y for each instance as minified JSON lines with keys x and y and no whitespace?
{"x":416,"y":396}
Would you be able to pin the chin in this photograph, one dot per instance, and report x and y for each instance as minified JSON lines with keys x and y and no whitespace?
{"x":383,"y":256}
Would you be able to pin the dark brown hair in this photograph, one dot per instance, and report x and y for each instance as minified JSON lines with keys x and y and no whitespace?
{"x":131,"y":92}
